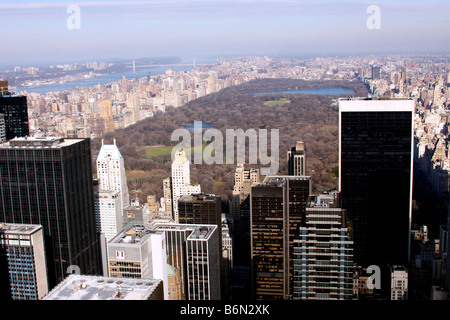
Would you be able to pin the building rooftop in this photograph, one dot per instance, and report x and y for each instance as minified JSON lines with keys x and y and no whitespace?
{"x":376,"y":104}
{"x":198,"y":197}
{"x":39,"y":142}
{"x":16,"y":228}
{"x":81,"y":287}
{"x":109,"y":151}
{"x":133,"y":234}
{"x":324,"y":200}
{"x":198,"y":231}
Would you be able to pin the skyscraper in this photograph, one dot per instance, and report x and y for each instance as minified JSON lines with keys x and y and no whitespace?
{"x":203,"y":209}
{"x":277,"y":206}
{"x":375,"y":176}
{"x":323,"y":265}
{"x":376,"y":72}
{"x":108,"y":212}
{"x":48,"y":181}
{"x":111,"y":172}
{"x":193,"y":250}
{"x":138,"y":252}
{"x":15,"y":111}
{"x":23,"y":272}
{"x":296,"y":157}
{"x":181,"y":181}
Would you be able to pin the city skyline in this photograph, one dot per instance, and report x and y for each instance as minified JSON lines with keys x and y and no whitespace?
{"x":53,"y":31}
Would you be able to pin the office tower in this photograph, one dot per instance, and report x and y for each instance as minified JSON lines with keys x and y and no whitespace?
{"x":84,"y":287}
{"x":111,"y":172}
{"x":277,"y":206}
{"x":194,"y":251}
{"x":204,"y":209}
{"x":376,"y":72}
{"x":200,"y":208}
{"x":375,"y":176}
{"x":296,"y":158}
{"x":48,"y":181}
{"x":138,"y":252}
{"x":2,"y":128}
{"x":399,"y":283}
{"x":240,"y":210}
{"x":15,"y":110}
{"x":203,"y":264}
{"x":23,"y":273}
{"x":109,"y":220}
{"x":323,"y":265}
{"x":181,"y":180}
{"x":109,"y":213}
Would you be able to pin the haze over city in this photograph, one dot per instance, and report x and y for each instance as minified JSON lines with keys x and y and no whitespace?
{"x":38,"y":31}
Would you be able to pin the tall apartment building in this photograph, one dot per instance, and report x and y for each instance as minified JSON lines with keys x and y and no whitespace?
{"x":181,"y":181}
{"x":375,"y":176}
{"x":296,"y":158}
{"x":323,"y":265}
{"x":138,"y":252}
{"x":376,"y":72}
{"x":167,"y":196}
{"x":111,"y":172}
{"x":23,"y":275}
{"x":48,"y":181}
{"x":15,"y":111}
{"x":277,"y":206}
{"x":194,"y":251}
{"x":399,"y":283}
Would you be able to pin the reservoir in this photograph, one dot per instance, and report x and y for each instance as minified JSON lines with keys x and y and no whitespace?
{"x":203,"y":126}
{"x":328,"y":91}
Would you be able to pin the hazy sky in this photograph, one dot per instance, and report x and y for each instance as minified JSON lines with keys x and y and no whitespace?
{"x":36,"y":31}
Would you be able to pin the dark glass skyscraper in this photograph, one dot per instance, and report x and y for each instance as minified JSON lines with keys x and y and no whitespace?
{"x":48,"y":181}
{"x":15,"y":110}
{"x":277,"y":205}
{"x":375,"y":176}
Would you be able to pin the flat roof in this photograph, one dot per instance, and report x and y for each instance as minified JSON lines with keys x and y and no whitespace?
{"x":199,"y":231}
{"x":81,"y":287}
{"x":133,"y":234}
{"x":39,"y":142}
{"x":17,"y":228}
{"x":198,"y":197}
{"x":375,"y":105}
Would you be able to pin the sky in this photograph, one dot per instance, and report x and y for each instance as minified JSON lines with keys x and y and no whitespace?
{"x":51,"y":32}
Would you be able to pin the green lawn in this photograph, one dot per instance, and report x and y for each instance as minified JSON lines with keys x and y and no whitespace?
{"x":276,"y":102}
{"x":151,"y":152}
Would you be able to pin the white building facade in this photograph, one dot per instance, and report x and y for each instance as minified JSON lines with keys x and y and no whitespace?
{"x":111,"y":172}
{"x":181,"y":181}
